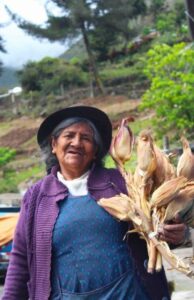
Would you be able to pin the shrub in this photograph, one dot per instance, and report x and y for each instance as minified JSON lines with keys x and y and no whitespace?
{"x":49,"y":74}
{"x":171,"y":94}
{"x":6,"y":155}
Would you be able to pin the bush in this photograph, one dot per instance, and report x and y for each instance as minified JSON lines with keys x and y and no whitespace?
{"x":49,"y":74}
{"x":11,"y":179}
{"x":171,"y":94}
{"x":6,"y":155}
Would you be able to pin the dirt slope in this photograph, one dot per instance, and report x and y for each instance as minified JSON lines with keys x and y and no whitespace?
{"x":20,"y":133}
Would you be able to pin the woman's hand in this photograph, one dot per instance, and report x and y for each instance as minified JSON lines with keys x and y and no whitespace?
{"x":173,"y":233}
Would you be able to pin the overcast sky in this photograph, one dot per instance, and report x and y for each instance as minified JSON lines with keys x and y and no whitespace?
{"x":21,"y":47}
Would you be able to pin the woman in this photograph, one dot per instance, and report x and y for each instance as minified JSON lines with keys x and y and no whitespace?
{"x":66,"y":246}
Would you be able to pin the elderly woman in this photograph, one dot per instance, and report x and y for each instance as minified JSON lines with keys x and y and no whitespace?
{"x":66,"y":246}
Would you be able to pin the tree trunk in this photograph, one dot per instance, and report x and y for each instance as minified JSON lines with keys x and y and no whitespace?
{"x":190,"y":16}
{"x":93,"y":68}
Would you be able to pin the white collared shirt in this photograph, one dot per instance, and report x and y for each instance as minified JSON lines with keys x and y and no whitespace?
{"x":77,"y":186}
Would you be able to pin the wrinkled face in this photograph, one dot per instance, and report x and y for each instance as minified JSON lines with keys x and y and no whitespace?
{"x":74,"y":149}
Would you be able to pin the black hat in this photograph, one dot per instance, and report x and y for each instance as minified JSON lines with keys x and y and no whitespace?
{"x":93,"y":114}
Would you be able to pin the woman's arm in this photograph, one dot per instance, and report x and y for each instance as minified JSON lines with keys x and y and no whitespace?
{"x":15,"y":287}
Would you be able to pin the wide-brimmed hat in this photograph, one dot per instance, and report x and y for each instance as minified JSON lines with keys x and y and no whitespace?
{"x":99,"y":118}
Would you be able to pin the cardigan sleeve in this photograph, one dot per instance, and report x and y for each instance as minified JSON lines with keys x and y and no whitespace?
{"x":17,"y":274}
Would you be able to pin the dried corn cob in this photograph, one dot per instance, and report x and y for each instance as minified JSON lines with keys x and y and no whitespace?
{"x":122,"y":143}
{"x":155,"y":173}
{"x":172,"y":259}
{"x":164,"y":169}
{"x":181,"y":202}
{"x":185,"y":165}
{"x":146,"y":159}
{"x":117,"y":206}
{"x":146,"y":164}
{"x":167,"y":191}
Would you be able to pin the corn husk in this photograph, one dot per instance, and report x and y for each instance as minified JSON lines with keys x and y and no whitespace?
{"x":180,"y":203}
{"x":167,"y":191}
{"x":185,"y":165}
{"x":172,"y":259}
{"x":155,"y":195}
{"x":122,"y":143}
{"x":146,"y":164}
{"x":164,"y":169}
{"x":146,"y":158}
{"x":117,"y":206}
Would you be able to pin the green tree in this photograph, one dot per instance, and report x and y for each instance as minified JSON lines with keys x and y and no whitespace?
{"x":74,"y":21}
{"x":156,"y":7}
{"x":171,"y":93}
{"x":115,"y":15}
{"x":113,"y":24}
{"x":172,"y":20}
{"x":88,"y":19}
{"x":50,"y":74}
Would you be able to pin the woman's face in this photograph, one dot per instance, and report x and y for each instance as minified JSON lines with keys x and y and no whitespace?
{"x":75,"y":149}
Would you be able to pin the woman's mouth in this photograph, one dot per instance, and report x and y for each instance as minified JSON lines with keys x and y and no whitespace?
{"x":74,"y":152}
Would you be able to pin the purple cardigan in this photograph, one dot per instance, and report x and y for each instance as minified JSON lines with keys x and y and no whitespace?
{"x":28,"y":275}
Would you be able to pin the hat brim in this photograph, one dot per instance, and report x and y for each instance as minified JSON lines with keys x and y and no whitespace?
{"x":93,"y":114}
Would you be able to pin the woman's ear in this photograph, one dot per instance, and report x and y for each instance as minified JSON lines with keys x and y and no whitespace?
{"x":53,"y":143}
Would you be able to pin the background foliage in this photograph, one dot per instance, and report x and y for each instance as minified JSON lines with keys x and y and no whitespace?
{"x":121,"y":44}
{"x":6,"y":155}
{"x":49,"y":74}
{"x":171,"y":73}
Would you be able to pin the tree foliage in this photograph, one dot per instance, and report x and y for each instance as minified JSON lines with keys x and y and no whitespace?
{"x":112,"y":24}
{"x":6,"y":155}
{"x":170,"y":70}
{"x":75,"y":21}
{"x":115,"y":16}
{"x":49,"y":74}
{"x":172,"y":20}
{"x":157,"y":6}
{"x":98,"y":22}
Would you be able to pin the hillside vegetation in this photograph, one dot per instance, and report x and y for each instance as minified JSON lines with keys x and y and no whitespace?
{"x":19,"y":133}
{"x":149,"y":78}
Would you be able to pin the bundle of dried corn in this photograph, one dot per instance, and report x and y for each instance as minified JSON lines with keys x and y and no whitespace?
{"x":157,"y":192}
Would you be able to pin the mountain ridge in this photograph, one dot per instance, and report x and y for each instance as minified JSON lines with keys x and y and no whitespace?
{"x":8,"y":78}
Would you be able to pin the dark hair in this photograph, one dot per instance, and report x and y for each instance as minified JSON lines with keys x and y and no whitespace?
{"x":46,"y":147}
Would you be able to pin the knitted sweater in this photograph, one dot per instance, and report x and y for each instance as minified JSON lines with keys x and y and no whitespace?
{"x":28,"y":275}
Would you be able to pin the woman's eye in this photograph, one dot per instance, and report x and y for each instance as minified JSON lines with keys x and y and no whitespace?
{"x":87,"y":138}
{"x":68,"y":136}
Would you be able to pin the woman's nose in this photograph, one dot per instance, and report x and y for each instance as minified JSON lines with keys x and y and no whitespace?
{"x":76,"y":141}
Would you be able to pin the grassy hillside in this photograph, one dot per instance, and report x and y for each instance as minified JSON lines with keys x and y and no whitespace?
{"x":124,"y":81}
{"x":20,"y":134}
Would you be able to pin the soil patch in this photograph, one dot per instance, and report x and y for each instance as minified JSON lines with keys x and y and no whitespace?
{"x":23,"y":129}
{"x":16,"y":137}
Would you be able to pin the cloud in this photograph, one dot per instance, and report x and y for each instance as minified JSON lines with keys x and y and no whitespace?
{"x":21,"y":47}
